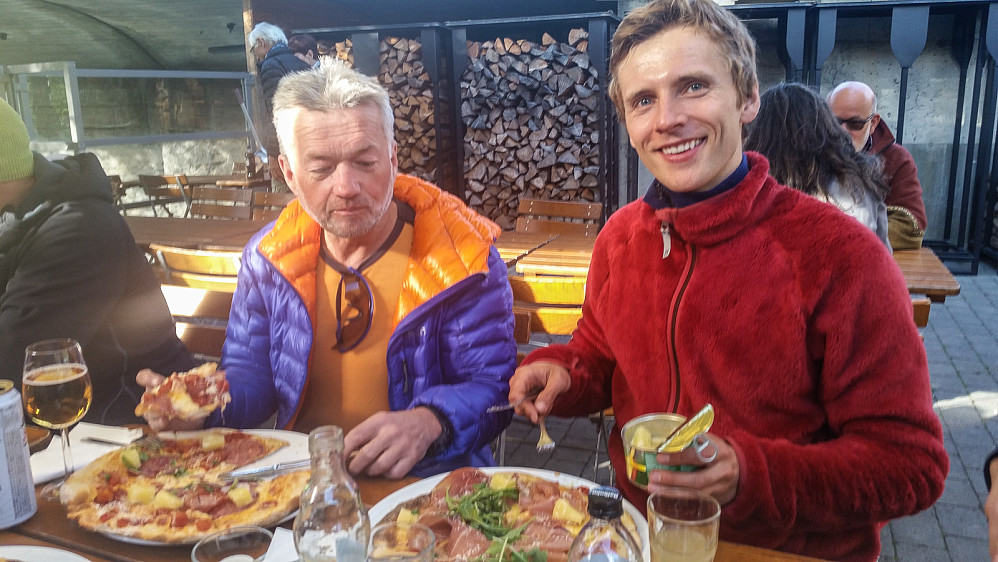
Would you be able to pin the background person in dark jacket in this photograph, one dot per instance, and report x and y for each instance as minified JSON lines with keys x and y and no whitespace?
{"x":269,"y":46}
{"x":855,"y":106}
{"x":69,"y":268}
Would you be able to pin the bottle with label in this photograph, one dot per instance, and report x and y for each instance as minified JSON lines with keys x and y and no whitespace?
{"x":332,"y":523}
{"x":604,"y":538}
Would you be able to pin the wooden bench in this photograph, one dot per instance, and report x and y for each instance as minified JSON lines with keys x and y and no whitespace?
{"x":559,"y":217}
{"x":201,"y":316}
{"x":206,"y":269}
{"x":268,"y":206}
{"x":222,"y":203}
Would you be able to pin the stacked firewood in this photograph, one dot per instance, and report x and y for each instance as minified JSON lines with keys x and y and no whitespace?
{"x":531,"y":123}
{"x":344,"y":51}
{"x":411,"y":92}
{"x":530,"y":113}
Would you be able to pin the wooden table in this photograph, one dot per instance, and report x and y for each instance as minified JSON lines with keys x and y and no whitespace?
{"x":565,"y":255}
{"x":925,"y":274}
{"x":245,"y":183}
{"x":50,"y":527}
{"x":514,"y":245}
{"x":193,"y":233}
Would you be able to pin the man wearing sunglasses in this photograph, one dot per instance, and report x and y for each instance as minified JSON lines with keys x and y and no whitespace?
{"x":855,"y":106}
{"x":375,"y":302}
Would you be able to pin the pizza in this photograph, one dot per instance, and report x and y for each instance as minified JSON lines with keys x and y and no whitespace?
{"x":172,"y":492}
{"x":501,"y":516}
{"x":190,"y":395}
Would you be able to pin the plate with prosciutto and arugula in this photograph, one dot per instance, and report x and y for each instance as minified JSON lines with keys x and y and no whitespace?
{"x":500,"y":514}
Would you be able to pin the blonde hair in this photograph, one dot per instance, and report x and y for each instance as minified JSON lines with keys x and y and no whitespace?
{"x":332,"y":86}
{"x":719,"y":24}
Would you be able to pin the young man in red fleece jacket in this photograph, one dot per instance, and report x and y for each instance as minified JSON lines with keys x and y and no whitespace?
{"x":787,"y":315}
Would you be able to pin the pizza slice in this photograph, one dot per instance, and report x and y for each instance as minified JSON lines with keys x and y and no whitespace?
{"x":190,"y":395}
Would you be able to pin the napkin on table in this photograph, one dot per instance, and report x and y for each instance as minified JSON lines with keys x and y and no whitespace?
{"x":47,"y":464}
{"x":282,"y":547}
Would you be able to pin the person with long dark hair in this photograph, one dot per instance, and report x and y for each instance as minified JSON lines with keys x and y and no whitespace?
{"x":808,"y":151}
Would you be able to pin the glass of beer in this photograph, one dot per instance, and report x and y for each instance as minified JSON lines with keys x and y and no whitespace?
{"x":401,"y":542}
{"x":56,"y":392}
{"x":683,"y":525}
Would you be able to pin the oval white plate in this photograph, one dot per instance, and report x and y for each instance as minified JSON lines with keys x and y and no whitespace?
{"x":297,"y":448}
{"x":39,"y":554}
{"x":425,"y":486}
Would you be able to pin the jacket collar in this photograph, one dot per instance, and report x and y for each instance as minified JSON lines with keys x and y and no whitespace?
{"x":724,"y":216}
{"x":293,"y":244}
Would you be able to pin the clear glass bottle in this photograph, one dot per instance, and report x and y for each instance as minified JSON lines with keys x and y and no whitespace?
{"x":332,"y":523}
{"x":604,"y":538}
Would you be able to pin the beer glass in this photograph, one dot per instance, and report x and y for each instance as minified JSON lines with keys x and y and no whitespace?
{"x":56,"y":392}
{"x":682,"y":525}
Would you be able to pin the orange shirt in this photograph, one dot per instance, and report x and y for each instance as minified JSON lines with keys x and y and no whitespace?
{"x":345,"y":389}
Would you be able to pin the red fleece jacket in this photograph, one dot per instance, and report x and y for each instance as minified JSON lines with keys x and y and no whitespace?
{"x":793,"y":320}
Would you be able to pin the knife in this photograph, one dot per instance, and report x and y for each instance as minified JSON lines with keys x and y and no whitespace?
{"x":265,"y":471}
{"x":512,"y":405}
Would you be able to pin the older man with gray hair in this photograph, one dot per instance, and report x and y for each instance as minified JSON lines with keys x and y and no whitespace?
{"x":375,"y":302}
{"x":269,"y":47}
{"x":855,"y":106}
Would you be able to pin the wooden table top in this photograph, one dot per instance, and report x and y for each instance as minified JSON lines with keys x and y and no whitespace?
{"x":193,"y":233}
{"x":925,"y":274}
{"x":50,"y":527}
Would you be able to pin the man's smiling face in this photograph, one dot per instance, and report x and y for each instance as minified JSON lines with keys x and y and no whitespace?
{"x":682,"y":111}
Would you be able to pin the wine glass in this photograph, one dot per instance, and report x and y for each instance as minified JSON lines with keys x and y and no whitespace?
{"x":56,"y":391}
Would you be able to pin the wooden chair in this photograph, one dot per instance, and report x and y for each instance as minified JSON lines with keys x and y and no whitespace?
{"x":267,"y":206}
{"x":201,"y":316}
{"x":206,"y":269}
{"x":559,"y":217}
{"x":222,"y":203}
{"x":165,"y":190}
{"x":920,"y":305}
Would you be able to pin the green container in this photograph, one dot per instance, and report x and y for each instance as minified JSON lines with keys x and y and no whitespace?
{"x":641,"y":460}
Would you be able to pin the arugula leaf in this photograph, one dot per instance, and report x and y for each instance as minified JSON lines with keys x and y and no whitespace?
{"x":484,"y":508}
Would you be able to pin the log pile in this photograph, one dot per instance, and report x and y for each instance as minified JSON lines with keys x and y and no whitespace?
{"x":531,"y":123}
{"x":344,"y":51}
{"x":530,"y":112}
{"x":411,"y":92}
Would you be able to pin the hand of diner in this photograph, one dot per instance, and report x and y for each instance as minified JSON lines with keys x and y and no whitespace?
{"x":991,"y":511}
{"x":389,"y":444}
{"x":550,"y":378}
{"x":150,"y":379}
{"x":718,"y":478}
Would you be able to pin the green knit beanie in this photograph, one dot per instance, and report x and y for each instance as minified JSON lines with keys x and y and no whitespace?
{"x":16,"y":160}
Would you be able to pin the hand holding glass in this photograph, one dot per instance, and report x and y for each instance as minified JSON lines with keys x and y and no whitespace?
{"x":683,"y":525}
{"x":56,"y":391}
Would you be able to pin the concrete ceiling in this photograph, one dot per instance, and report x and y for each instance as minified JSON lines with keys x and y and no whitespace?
{"x":208,"y":34}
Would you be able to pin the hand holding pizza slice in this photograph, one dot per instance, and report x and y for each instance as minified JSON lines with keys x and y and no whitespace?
{"x":182,"y":400}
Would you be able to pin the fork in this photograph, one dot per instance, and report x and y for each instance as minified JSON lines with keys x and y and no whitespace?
{"x":544,"y":442}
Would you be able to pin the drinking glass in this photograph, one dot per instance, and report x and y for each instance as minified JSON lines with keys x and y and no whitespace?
{"x":683,"y":525}
{"x":56,"y":391}
{"x":401,"y":542}
{"x":238,"y":544}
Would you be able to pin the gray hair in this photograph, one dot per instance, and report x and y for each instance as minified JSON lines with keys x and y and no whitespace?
{"x":332,"y":86}
{"x":268,"y":32}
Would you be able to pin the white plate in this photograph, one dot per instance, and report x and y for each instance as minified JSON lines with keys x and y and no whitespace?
{"x":381,"y":509}
{"x":296,"y":449}
{"x":39,"y":554}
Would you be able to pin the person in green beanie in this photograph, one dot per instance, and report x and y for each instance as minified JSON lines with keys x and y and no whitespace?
{"x":69,"y":268}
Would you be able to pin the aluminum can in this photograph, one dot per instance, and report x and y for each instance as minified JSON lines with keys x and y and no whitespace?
{"x":17,"y":488}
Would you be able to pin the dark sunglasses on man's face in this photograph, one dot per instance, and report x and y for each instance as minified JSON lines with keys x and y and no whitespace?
{"x":855,"y":124}
{"x":354,"y":317}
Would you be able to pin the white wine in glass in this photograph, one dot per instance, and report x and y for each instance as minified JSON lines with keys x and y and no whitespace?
{"x":56,"y":391}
